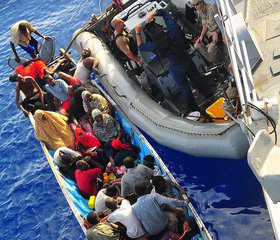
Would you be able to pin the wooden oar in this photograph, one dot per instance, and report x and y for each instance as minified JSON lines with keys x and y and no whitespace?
{"x":67,"y":56}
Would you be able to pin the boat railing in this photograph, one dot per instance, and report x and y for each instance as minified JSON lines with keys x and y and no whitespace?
{"x":238,"y":53}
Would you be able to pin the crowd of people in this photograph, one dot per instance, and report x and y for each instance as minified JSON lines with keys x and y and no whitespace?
{"x":72,"y":118}
{"x":91,"y":148}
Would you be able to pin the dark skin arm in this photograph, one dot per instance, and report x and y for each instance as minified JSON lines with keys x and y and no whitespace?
{"x":18,"y":103}
{"x":35,"y":85}
{"x":92,"y":162}
{"x":41,"y":35}
{"x":15,"y":52}
{"x":92,"y":64}
{"x":56,"y":66}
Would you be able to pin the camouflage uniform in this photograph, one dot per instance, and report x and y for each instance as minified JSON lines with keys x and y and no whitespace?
{"x":211,"y":54}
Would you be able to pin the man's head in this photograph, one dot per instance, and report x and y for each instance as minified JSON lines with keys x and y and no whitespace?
{"x":118,"y":24}
{"x":97,"y":115}
{"x":140,"y":189}
{"x":129,"y":162}
{"x":111,"y":203}
{"x":149,"y":161}
{"x":16,"y":77}
{"x":86,"y":53}
{"x":93,"y":218}
{"x":111,"y":191}
{"x":159,"y":183}
{"x":66,"y":159}
{"x":22,"y":28}
{"x":82,"y":165}
{"x":198,"y":4}
{"x":49,"y":80}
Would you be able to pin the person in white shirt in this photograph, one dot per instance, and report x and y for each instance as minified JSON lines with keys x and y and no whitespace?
{"x":102,"y":195}
{"x":123,"y":214}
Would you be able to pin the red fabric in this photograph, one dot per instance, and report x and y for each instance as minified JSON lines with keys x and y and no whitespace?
{"x":118,"y":3}
{"x":34,"y":69}
{"x":117,"y":144}
{"x":88,"y":141}
{"x":74,"y":80}
{"x":86,"y":181}
{"x":65,"y":105}
{"x":39,"y":67}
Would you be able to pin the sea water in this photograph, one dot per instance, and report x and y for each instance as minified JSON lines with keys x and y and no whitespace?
{"x":224,"y":192}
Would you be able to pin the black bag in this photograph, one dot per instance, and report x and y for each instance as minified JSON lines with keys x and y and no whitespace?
{"x":155,"y":33}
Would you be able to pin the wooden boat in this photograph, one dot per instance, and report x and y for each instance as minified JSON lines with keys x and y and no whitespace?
{"x":80,"y":206}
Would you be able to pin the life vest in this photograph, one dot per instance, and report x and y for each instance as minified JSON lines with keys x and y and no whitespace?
{"x":118,"y":53}
{"x":155,"y":33}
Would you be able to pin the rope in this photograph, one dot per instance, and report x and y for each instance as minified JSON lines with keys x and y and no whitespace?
{"x":94,"y":20}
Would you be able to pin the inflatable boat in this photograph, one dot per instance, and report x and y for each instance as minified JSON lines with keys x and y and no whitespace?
{"x":158,"y":113}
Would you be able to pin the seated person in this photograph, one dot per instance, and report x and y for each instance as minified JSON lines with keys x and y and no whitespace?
{"x":86,"y":178}
{"x":52,"y":129}
{"x":128,"y":47}
{"x":149,"y":161}
{"x":89,"y":145}
{"x":77,"y":115}
{"x":59,"y":89}
{"x":85,"y":141}
{"x":165,"y":187}
{"x":35,"y":98}
{"x":95,"y":101}
{"x":122,"y":213}
{"x":98,"y":230}
{"x":68,"y":166}
{"x":210,"y":29}
{"x":105,"y":127}
{"x":66,"y":159}
{"x":102,"y":195}
{"x":149,"y":209}
{"x":134,"y":174}
{"x":64,"y":151}
{"x":190,"y":229}
{"x":120,"y":151}
{"x":83,"y":70}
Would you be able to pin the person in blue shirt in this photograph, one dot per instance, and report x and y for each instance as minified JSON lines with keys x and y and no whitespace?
{"x":149,"y":209}
{"x":180,"y":63}
{"x":57,"y":87}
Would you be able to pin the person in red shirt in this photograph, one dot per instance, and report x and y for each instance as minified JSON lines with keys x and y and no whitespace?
{"x":86,"y":178}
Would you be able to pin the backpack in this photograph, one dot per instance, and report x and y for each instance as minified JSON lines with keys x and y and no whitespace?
{"x":155,"y":33}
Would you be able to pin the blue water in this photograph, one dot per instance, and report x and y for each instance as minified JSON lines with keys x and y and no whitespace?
{"x":224,"y":192}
